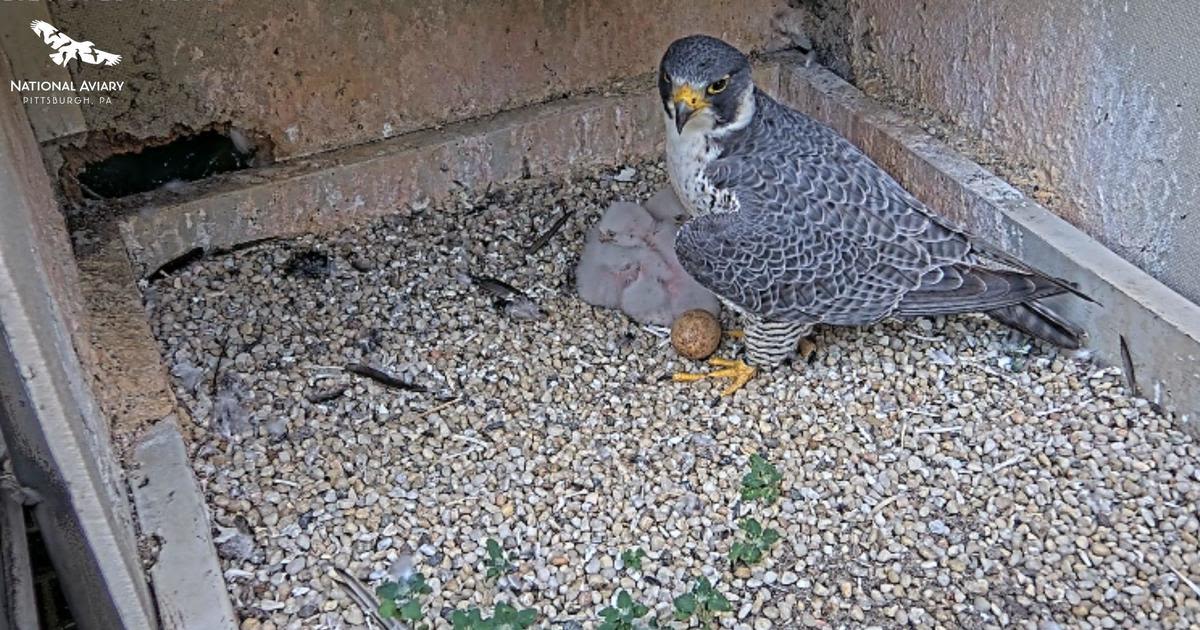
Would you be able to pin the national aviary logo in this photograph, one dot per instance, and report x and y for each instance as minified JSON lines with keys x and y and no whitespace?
{"x":67,"y":50}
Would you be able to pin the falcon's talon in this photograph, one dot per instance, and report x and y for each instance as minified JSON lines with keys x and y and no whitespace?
{"x":736,"y":333}
{"x":735,"y":370}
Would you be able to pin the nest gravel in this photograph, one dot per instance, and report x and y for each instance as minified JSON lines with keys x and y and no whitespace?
{"x":936,"y":473}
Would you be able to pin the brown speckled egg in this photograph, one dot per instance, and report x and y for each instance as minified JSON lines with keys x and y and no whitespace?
{"x":696,"y":334}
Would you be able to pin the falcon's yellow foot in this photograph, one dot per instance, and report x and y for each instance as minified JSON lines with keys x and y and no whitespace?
{"x":736,"y":334}
{"x":737,"y":371}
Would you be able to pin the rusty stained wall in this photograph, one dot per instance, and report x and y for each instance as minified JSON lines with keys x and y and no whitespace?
{"x":313,"y":76}
{"x":1101,"y":98}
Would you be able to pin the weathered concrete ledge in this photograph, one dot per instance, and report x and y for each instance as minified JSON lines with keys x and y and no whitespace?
{"x":187,"y":577}
{"x":346,"y":186}
{"x":342,"y":187}
{"x":1159,"y":328}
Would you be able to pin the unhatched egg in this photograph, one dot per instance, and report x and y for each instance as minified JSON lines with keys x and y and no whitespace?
{"x":696,"y":334}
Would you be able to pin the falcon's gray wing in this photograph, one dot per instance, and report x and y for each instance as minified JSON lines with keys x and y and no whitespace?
{"x":820,"y":262}
{"x":824,"y":235}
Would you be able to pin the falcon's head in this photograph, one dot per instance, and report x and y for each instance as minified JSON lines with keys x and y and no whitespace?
{"x":706,"y":82}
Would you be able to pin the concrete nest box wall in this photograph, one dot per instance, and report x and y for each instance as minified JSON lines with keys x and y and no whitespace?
{"x":355,"y":126}
{"x":1089,"y":107}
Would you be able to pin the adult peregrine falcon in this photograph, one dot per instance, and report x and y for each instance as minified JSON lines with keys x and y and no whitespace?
{"x":792,"y":226}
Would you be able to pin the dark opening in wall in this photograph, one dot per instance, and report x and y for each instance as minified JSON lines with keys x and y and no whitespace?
{"x":52,"y":609}
{"x":184,"y":159}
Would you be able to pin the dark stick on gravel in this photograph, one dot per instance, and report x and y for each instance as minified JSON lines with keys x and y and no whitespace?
{"x":509,"y":298}
{"x":217,"y":369}
{"x":325,"y":395}
{"x":496,"y":287}
{"x":383,"y":378}
{"x":1127,"y":364}
{"x":549,"y":234}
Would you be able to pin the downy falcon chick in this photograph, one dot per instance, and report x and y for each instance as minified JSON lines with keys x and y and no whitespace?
{"x":792,"y":226}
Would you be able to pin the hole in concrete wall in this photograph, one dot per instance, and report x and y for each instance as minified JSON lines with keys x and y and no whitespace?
{"x":183,"y":159}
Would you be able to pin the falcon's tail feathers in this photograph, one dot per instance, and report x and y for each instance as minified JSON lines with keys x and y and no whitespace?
{"x":969,"y":289}
{"x":1037,"y":320}
{"x":1008,"y":296}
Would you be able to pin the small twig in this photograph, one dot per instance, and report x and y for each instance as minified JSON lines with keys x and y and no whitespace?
{"x":325,"y":395}
{"x":914,"y":335}
{"x":495,"y":287}
{"x":383,"y":378}
{"x":1127,"y":363}
{"x":430,"y":412}
{"x":863,"y":432}
{"x":1016,"y":459}
{"x":467,"y":438}
{"x":1191,"y":584}
{"x":882,"y":504}
{"x":549,"y":234}
{"x":458,"y":454}
{"x":217,"y":369}
{"x":362,"y":596}
{"x":662,"y":332}
{"x":562,"y":499}
{"x":999,"y":375}
{"x":940,"y":430}
{"x":286,"y":482}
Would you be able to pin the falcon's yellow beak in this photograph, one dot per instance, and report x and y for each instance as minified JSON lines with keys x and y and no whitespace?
{"x":688,"y":101}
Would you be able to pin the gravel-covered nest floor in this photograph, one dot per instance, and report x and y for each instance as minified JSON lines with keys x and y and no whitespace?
{"x":938,"y":473}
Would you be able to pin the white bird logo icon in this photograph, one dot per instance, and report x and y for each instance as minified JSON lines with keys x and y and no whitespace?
{"x":67,"y":49}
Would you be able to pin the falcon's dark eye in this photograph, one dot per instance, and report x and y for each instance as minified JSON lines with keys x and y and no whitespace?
{"x":665,"y":78}
{"x":718,"y":86}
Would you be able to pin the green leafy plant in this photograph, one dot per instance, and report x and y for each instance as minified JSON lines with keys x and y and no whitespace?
{"x":497,"y":563}
{"x":504,"y":617}
{"x":762,"y":482}
{"x":703,"y":604}
{"x":402,"y":599}
{"x":757,"y":543}
{"x":632,"y":558}
{"x":623,"y":615}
